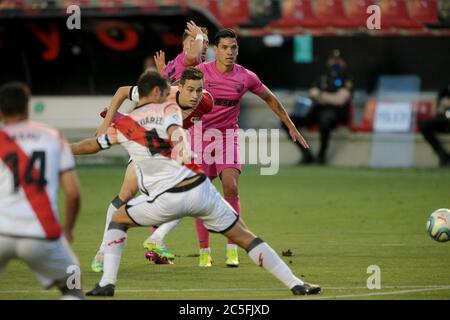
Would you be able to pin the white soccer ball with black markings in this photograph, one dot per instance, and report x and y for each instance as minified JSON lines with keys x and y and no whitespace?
{"x":438,"y":225}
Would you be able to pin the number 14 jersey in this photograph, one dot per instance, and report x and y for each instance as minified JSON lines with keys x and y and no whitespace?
{"x":32,"y":157}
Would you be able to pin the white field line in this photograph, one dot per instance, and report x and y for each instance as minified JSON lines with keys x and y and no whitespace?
{"x":419,"y":288}
{"x":374,"y":294}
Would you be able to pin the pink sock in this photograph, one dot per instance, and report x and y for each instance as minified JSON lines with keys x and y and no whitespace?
{"x":236,"y":204}
{"x":202,"y":233}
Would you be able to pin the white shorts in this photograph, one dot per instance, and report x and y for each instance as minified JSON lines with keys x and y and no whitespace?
{"x":198,"y":200}
{"x":47,"y":259}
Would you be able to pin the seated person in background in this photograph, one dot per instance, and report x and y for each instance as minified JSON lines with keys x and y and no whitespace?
{"x":439,"y":123}
{"x":331,"y":97}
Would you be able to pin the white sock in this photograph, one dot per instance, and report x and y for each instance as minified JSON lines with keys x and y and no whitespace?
{"x":162,"y":231}
{"x":231,"y":246}
{"x":205,"y":249}
{"x":115,"y":243}
{"x":69,"y":297}
{"x":264,"y":256}
{"x":109,"y":213}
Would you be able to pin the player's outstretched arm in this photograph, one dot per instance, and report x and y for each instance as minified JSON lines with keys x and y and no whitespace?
{"x":94,"y":145}
{"x":87,"y":146}
{"x":71,"y":189}
{"x":119,"y":97}
{"x":193,"y":53}
{"x":276,"y":106}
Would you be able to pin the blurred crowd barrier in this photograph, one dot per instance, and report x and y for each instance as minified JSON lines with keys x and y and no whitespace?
{"x":78,"y":117}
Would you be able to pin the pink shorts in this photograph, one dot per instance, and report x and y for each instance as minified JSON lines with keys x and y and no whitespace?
{"x":217,"y":154}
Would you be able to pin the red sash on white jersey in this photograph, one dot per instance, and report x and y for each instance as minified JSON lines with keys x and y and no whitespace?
{"x":37,"y":197}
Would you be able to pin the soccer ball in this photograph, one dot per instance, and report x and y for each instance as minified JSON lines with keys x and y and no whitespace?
{"x":438,"y":225}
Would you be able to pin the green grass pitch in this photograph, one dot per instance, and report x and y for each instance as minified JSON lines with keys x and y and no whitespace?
{"x":337,"y":222}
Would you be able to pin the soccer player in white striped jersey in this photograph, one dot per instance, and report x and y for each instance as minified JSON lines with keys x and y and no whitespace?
{"x":34,"y":159}
{"x":171,"y":186}
{"x":194,"y":102}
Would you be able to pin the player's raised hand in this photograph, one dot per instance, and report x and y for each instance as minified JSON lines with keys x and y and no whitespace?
{"x":297,"y":137}
{"x":160,"y":60}
{"x":192,"y":29}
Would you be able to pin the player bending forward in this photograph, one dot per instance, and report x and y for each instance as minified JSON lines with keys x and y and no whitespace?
{"x":171,"y":187}
{"x":194,"y":102}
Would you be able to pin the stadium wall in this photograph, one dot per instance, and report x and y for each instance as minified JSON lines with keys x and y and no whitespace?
{"x":78,"y":117}
{"x":107,"y":53}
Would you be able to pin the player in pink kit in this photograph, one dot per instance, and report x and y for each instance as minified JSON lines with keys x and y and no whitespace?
{"x":228,"y":82}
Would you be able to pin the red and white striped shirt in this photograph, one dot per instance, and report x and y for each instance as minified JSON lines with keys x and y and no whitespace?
{"x":143,"y":133}
{"x":32,"y":157}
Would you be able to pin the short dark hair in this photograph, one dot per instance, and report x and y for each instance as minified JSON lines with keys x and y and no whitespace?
{"x":224,"y":33}
{"x":204,"y":30}
{"x":191,"y":73}
{"x":149,"y":80}
{"x":14,"y":97}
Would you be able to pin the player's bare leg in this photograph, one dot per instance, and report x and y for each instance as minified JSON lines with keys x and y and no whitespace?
{"x":264,"y":256}
{"x":116,"y":237}
{"x":127,"y":192}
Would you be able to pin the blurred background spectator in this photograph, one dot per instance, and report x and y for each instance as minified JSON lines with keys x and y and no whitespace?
{"x":329,"y":106}
{"x":119,"y":37}
{"x":440,"y":123}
